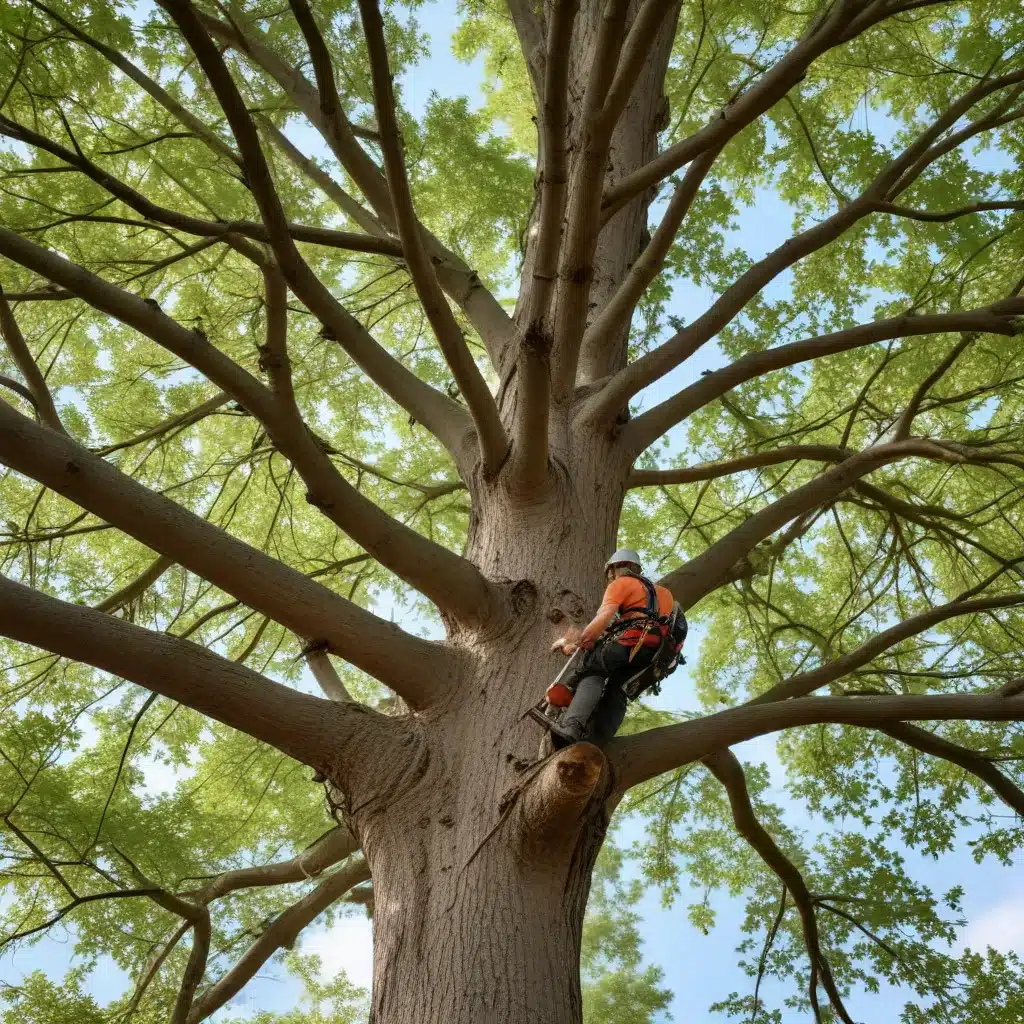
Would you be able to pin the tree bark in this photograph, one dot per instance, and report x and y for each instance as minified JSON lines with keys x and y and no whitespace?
{"x":481,"y":858}
{"x":479,"y":840}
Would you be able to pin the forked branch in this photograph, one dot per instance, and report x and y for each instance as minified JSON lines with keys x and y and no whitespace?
{"x":725,"y":766}
{"x":446,"y":419}
{"x":452,"y":582}
{"x":282,"y":933}
{"x":414,"y":668}
{"x":483,"y":310}
{"x":901,"y":171}
{"x":490,"y":432}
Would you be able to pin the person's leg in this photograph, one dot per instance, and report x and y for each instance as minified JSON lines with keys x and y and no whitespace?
{"x":608,"y":716}
{"x":584,"y":702}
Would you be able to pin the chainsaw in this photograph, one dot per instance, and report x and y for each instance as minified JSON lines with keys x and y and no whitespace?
{"x":556,"y":698}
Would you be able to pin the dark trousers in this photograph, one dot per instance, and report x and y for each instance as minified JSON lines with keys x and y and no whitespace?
{"x":599,"y":705}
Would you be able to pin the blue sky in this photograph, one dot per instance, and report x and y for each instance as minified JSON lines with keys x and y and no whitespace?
{"x":699,"y":969}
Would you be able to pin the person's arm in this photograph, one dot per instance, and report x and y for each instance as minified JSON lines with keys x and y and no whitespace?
{"x":610,"y":604}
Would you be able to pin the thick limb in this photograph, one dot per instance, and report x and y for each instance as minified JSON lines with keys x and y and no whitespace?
{"x":306,"y":728}
{"x":450,"y":581}
{"x":644,"y":755}
{"x":530,"y":454}
{"x":412,"y":667}
{"x":490,"y":432}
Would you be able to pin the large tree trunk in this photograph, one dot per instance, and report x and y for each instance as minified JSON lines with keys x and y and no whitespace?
{"x":482,"y":854}
{"x":481,"y":861}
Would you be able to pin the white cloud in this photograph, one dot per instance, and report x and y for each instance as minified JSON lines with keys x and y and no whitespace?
{"x":347,"y":946}
{"x":1001,"y":927}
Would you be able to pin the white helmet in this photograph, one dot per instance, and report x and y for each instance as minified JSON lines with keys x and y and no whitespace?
{"x":623,"y":556}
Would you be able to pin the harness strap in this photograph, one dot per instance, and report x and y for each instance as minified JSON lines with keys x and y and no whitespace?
{"x":651,"y":606}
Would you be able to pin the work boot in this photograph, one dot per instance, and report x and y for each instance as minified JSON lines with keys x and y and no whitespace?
{"x":570,"y":733}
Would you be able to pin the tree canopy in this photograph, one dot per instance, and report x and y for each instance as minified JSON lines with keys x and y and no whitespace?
{"x":213,"y":314}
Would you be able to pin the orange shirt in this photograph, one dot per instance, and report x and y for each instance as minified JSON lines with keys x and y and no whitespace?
{"x":630,"y":596}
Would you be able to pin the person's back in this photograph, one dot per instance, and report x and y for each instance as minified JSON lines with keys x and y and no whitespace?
{"x":630,"y":594}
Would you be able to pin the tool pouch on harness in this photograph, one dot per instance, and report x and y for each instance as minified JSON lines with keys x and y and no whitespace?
{"x":667,"y":658}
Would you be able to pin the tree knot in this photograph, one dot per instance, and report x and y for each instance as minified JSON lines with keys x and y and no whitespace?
{"x":269,"y":359}
{"x":537,"y":340}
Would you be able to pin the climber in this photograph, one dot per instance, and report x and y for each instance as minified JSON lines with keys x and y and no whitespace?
{"x":637,"y":622}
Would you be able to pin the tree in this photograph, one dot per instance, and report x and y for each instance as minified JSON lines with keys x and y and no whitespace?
{"x":249,"y":391}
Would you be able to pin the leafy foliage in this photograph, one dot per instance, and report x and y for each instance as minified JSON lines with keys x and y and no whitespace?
{"x":107,"y":790}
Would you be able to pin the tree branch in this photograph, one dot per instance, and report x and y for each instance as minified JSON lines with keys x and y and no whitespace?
{"x":757,"y":460}
{"x":617,"y":313}
{"x":807,"y":682}
{"x":896,"y":176}
{"x":137,"y":587}
{"x":901,"y":429}
{"x":282,"y":933}
{"x":452,"y":582}
{"x":943,"y":216}
{"x":307,"y":728}
{"x":26,"y":364}
{"x":530,"y":455}
{"x":831,"y":30}
{"x":418,"y":670}
{"x":74,"y":905}
{"x":327,"y":851}
{"x":490,"y":432}
{"x":575,"y":269}
{"x":1000,"y":317}
{"x":182,"y":420}
{"x":460,"y":281}
{"x":19,"y":389}
{"x":326,"y":675}
{"x":725,"y":766}
{"x":199,"y":918}
{"x":709,"y":570}
{"x":148,"y":85}
{"x":346,"y":203}
{"x":634,"y":54}
{"x":445,"y":418}
{"x":970,"y":760}
{"x":643,"y":755}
